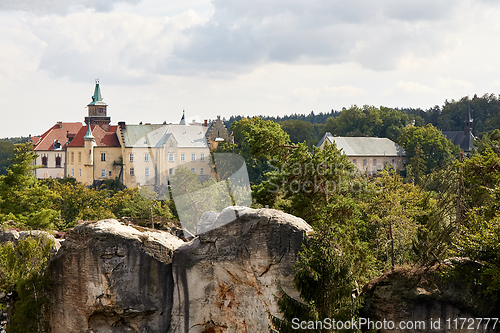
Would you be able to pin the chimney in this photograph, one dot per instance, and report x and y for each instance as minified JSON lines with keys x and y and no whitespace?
{"x":59,"y":123}
{"x":205,"y":123}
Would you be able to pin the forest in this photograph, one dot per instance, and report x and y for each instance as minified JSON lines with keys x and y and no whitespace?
{"x":446,"y":205}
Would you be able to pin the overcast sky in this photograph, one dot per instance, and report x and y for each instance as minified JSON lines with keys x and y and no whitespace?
{"x":238,"y":57}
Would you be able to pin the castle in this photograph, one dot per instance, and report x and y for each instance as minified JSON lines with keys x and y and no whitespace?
{"x":138,"y":155}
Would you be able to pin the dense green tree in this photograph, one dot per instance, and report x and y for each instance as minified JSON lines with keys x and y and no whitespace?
{"x":489,"y":140}
{"x":325,"y":280}
{"x":300,"y":131}
{"x":6,"y":153}
{"x":478,"y":238}
{"x":22,"y":271}
{"x":368,"y":121}
{"x":22,"y":198}
{"x":302,"y":181}
{"x":256,"y":140}
{"x":429,"y":144}
{"x":77,"y":201}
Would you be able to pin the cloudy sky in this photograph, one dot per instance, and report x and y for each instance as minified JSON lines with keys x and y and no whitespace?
{"x":155,"y":58}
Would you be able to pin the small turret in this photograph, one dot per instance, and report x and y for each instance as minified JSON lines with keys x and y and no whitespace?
{"x":89,"y":146}
{"x":183,"y":119}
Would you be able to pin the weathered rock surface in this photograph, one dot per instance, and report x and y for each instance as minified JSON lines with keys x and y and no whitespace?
{"x":226,"y":279}
{"x":422,"y":296}
{"x":110,"y":277}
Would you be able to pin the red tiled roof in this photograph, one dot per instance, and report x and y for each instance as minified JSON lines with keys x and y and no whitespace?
{"x":102,"y":138}
{"x":58,"y":132}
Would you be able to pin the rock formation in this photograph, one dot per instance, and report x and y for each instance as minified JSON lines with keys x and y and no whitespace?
{"x":226,"y":279}
{"x":410,"y":295}
{"x":109,"y":277}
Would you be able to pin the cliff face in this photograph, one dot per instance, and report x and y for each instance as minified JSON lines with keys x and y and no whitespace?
{"x":108,"y":277}
{"x":226,"y":279}
{"x":408,"y":295}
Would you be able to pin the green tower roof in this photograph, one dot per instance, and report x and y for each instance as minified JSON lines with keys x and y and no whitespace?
{"x":97,"y":98}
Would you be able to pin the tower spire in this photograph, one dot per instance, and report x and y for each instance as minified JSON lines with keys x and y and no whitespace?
{"x":97,"y":110}
{"x":183,"y":119}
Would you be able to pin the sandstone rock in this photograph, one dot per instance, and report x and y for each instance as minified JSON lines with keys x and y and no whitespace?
{"x":109,"y":277}
{"x":226,"y":279}
{"x":423,"y":296}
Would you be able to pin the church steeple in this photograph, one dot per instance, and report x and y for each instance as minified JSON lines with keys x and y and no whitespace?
{"x":97,"y":97}
{"x":97,"y":109}
{"x":183,"y":119}
{"x":468,"y":122}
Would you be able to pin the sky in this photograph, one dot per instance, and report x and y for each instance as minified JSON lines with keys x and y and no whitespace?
{"x":156,"y":58}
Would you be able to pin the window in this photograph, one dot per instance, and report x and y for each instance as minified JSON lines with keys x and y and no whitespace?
{"x":72,"y":172}
{"x":374,"y":162}
{"x":44,"y":161}
{"x":202,"y":157}
{"x":146,"y":157}
{"x":202,"y":171}
{"x":393,"y":162}
{"x":170,"y":157}
{"x":183,"y":157}
{"x":103,"y":157}
{"x":364,"y":162}
{"x":103,"y":173}
{"x":146,"y":172}
{"x":354,"y":161}
{"x":58,"y":161}
{"x":79,"y":172}
{"x":193,"y":170}
{"x":193,"y":157}
{"x":171,"y":144}
{"x":131,"y":157}
{"x":132,"y":171}
{"x":171,"y":171}
{"x":72,"y":157}
{"x":79,"y":157}
{"x":110,"y":174}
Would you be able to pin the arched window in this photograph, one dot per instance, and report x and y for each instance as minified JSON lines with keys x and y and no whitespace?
{"x":44,"y":161}
{"x":58,"y":161}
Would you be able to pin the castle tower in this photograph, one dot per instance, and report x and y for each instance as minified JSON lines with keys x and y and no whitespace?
{"x":97,"y":110}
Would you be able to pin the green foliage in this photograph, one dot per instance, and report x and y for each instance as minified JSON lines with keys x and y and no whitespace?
{"x":300,"y":131}
{"x":478,"y":238}
{"x":481,"y":174}
{"x":489,"y":140}
{"x":77,"y":201}
{"x":6,"y":154}
{"x":22,"y":271}
{"x":394,"y":210}
{"x":426,"y":145}
{"x":325,"y":280}
{"x":22,"y":198}
{"x":484,"y":110}
{"x":368,"y":121}
{"x":303,"y":182}
{"x":137,"y":204}
{"x":242,"y":131}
